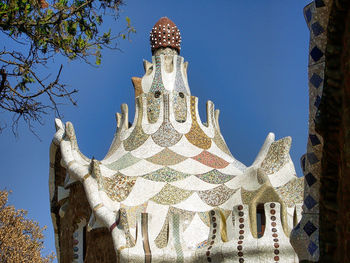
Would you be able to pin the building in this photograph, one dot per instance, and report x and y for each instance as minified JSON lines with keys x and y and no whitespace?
{"x":169,"y":188}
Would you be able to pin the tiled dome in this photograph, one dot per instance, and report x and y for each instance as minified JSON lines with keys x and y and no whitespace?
{"x":165,"y":34}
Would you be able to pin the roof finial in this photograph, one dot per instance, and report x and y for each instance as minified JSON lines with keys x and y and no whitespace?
{"x":165,"y":34}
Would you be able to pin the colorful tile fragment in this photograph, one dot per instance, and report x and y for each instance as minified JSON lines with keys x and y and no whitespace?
{"x":132,"y":213}
{"x":136,"y":139}
{"x":277,"y":155}
{"x":123,"y":162}
{"x":177,"y":241}
{"x":157,"y":84}
{"x":166,"y":157}
{"x":196,"y":135}
{"x":118,"y":187}
{"x":210,"y":160}
{"x":171,"y":195}
{"x":179,"y":83}
{"x":180,"y":107}
{"x":292,"y":192}
{"x":166,"y":135}
{"x":166,"y":174}
{"x":215,"y":177}
{"x":220,"y":143}
{"x":153,"y":107}
{"x":216,"y":196}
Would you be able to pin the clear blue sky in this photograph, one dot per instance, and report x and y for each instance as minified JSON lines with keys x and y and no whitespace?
{"x":248,"y":57}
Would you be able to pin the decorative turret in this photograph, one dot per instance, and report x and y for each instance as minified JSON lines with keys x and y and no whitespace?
{"x":165,"y":34}
{"x":171,"y":179}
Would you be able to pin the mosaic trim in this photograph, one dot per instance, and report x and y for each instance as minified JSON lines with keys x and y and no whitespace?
{"x":153,"y":107}
{"x":166,"y":135}
{"x":123,"y":162}
{"x":214,"y":229}
{"x":171,"y":195}
{"x":179,"y":83}
{"x":220,"y":143}
{"x":292,"y":192}
{"x":274,"y":231}
{"x":240,"y":241}
{"x":157,"y":84}
{"x":180,"y":107}
{"x":196,"y":135}
{"x":136,"y":139}
{"x":118,"y":187}
{"x":124,"y":223}
{"x":211,"y":160}
{"x":176,"y":235}
{"x":166,"y":174}
{"x":215,"y":177}
{"x":277,"y":155}
{"x":166,"y":157}
{"x":216,"y":196}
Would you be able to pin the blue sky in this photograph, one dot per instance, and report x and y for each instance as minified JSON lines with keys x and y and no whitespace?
{"x":248,"y":57}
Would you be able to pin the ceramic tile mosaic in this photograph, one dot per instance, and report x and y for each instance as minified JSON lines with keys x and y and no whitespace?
{"x":292,"y":192}
{"x":161,"y":240}
{"x":143,"y":190}
{"x":309,"y":228}
{"x":118,"y":187}
{"x":148,"y":149}
{"x":135,"y":140}
{"x":166,"y":157}
{"x":185,"y":148}
{"x":124,"y":223}
{"x":123,"y":162}
{"x":215,"y":177}
{"x":193,"y":203}
{"x":163,"y":184}
{"x":179,"y":82}
{"x":176,"y":235}
{"x":191,"y":166}
{"x":132,"y":212}
{"x":196,"y":135}
{"x":316,"y":53}
{"x":166,"y":135}
{"x":216,"y":196}
{"x":170,"y":195}
{"x":193,"y":183}
{"x":211,"y":160}
{"x":314,"y":139}
{"x":277,"y":155}
{"x":316,"y":80}
{"x":166,"y":175}
{"x":310,"y":202}
{"x":157,"y":84}
{"x":204,"y":216}
{"x":180,"y":107}
{"x":312,"y":247}
{"x":310,"y":179}
{"x":247,"y":196}
{"x":186,"y":216}
{"x":145,"y":238}
{"x":153,"y":106}
{"x":220,"y":142}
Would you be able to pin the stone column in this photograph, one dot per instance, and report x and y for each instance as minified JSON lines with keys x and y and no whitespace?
{"x":305,"y":236}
